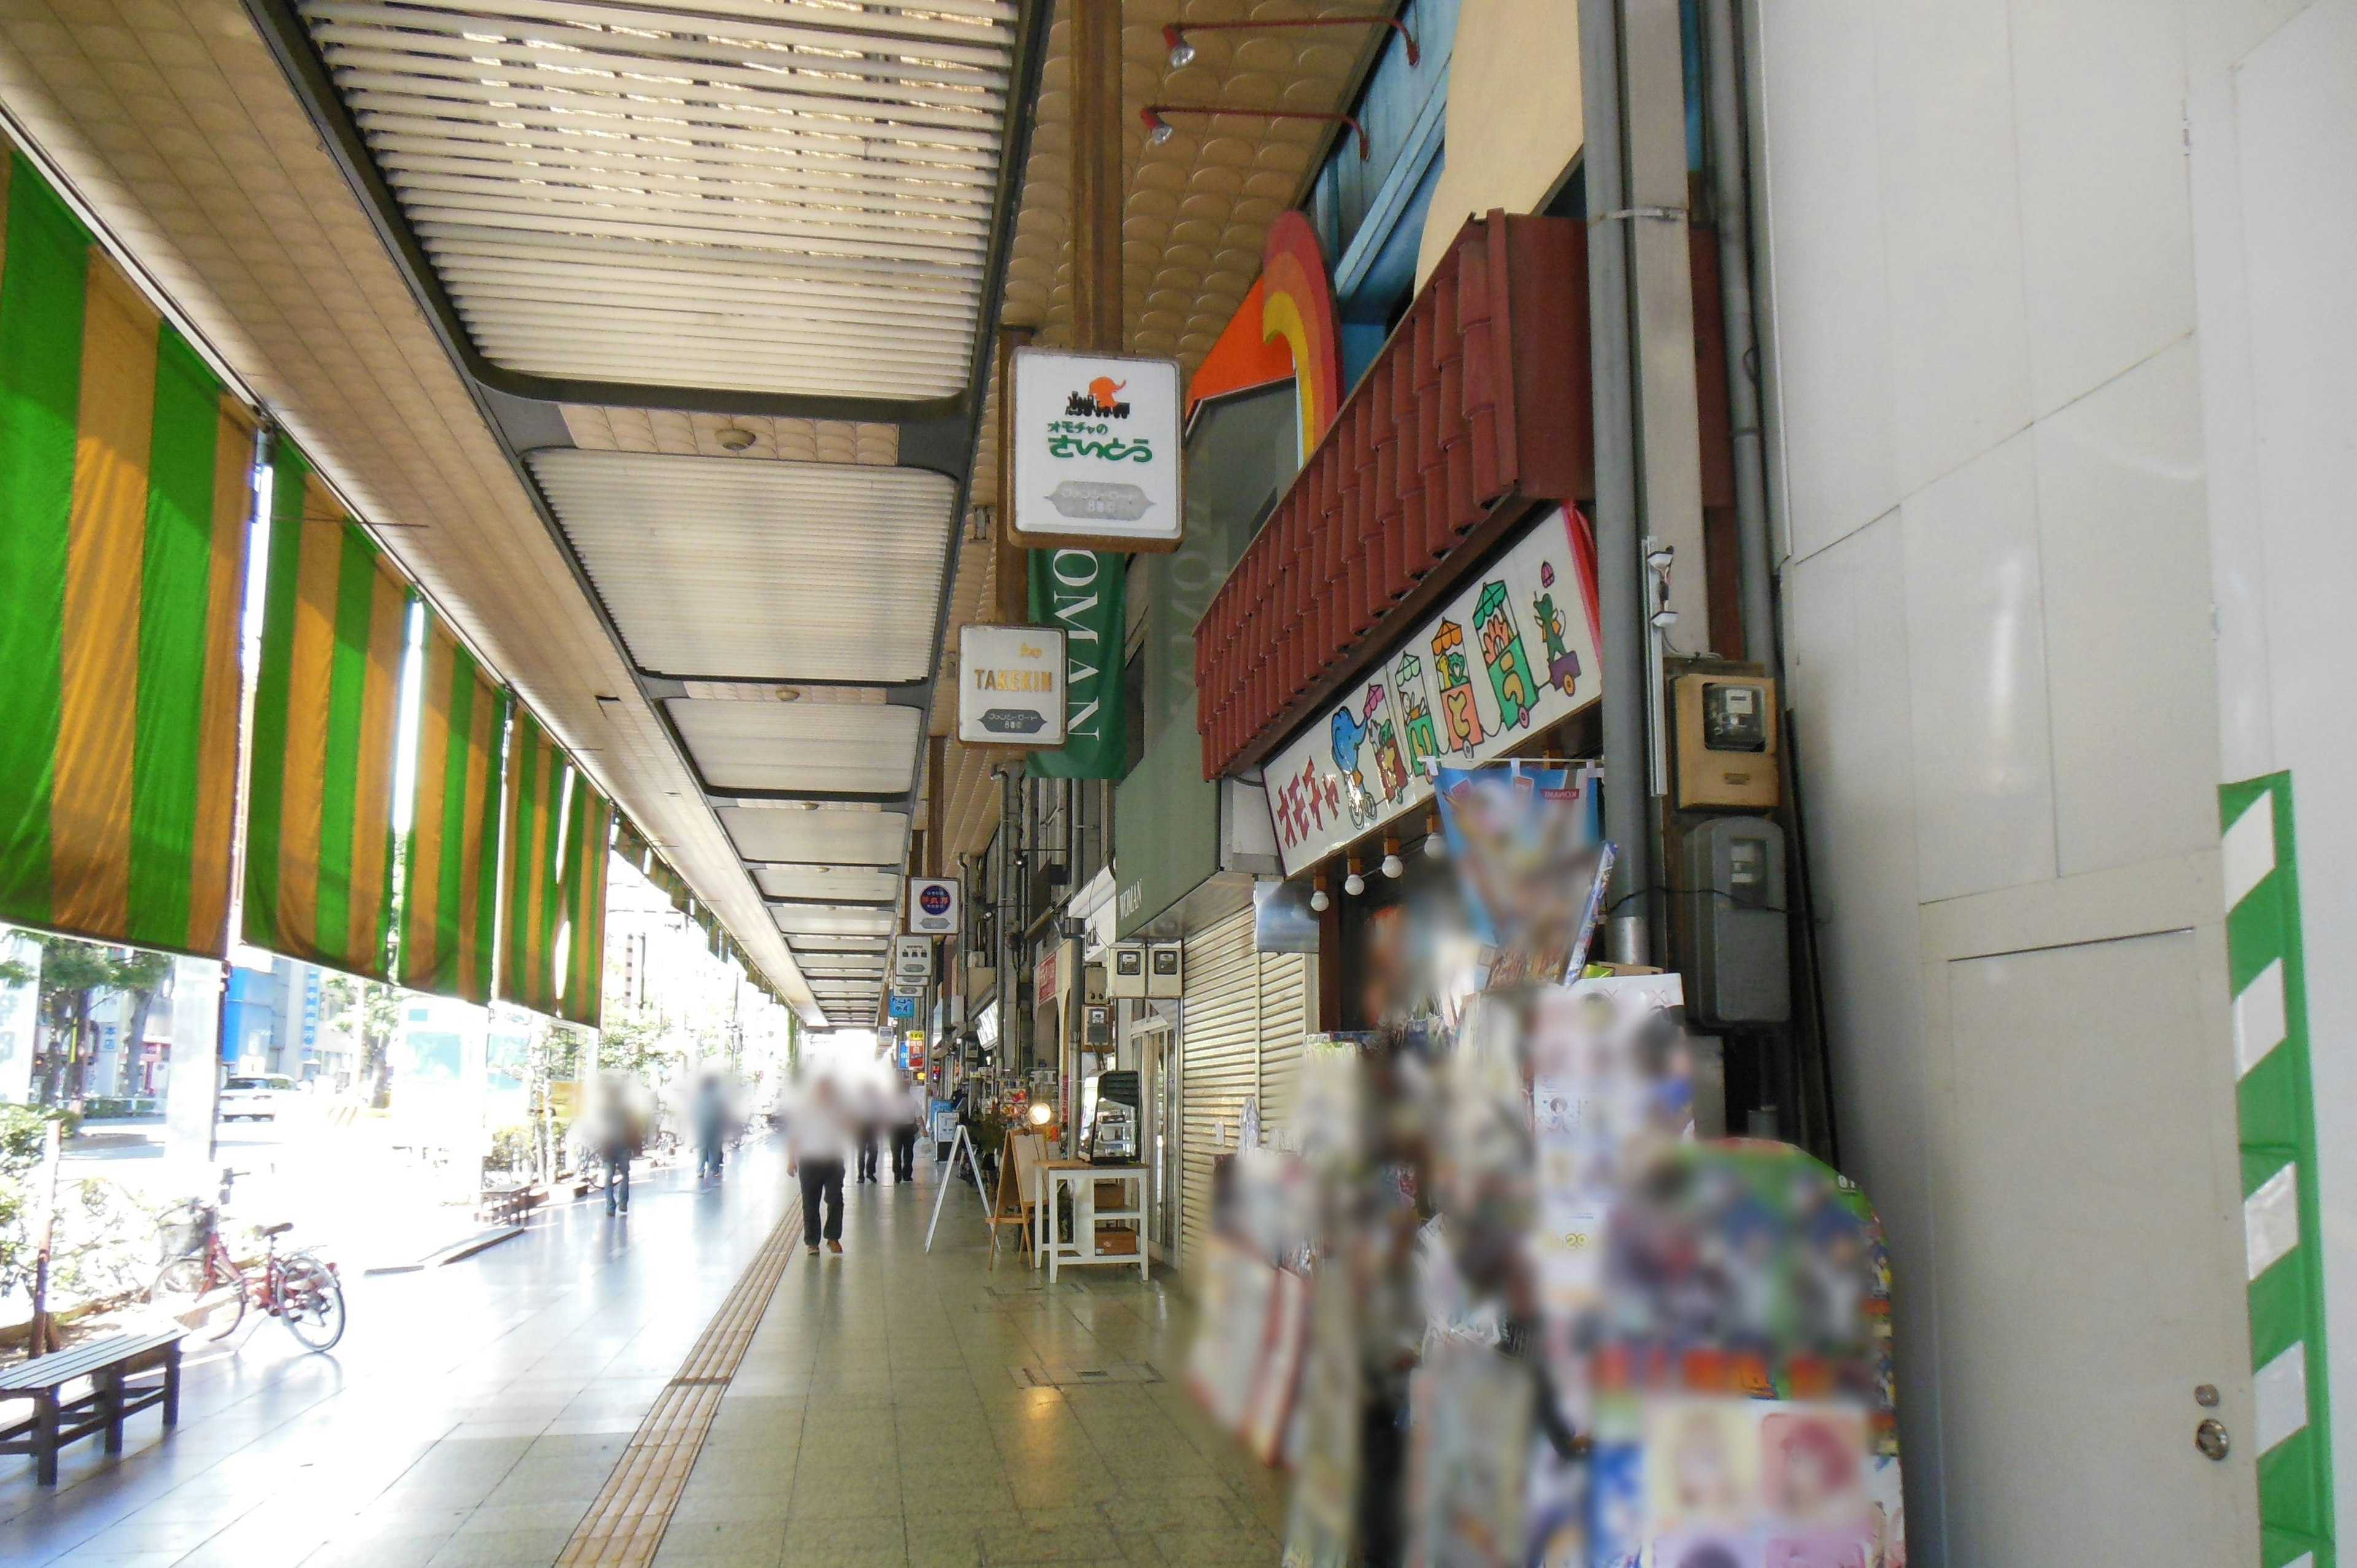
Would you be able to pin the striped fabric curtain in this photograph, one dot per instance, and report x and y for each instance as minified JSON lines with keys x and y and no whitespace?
{"x":319,"y":838}
{"x":125,"y":498}
{"x":530,"y":859}
{"x":451,"y":888}
{"x":588,"y":831}
{"x":553,"y":881}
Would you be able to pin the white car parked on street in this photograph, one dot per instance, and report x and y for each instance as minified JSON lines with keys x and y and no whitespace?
{"x":262,"y":1097}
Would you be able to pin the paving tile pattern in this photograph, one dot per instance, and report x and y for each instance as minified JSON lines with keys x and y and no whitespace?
{"x":627,"y":1522}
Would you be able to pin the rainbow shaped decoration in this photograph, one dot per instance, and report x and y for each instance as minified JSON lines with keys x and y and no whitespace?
{"x":1297,"y":304}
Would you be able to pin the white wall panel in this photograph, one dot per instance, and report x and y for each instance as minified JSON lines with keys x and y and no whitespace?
{"x":1951,"y":228}
{"x":2122,"y":539}
{"x":1825,"y":276}
{"x":2106,"y":228}
{"x":1977,"y":658}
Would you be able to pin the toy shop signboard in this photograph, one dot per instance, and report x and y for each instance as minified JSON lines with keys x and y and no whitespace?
{"x":1512,"y":653}
{"x":1097,"y":451}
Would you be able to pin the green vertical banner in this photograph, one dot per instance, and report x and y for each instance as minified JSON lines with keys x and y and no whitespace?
{"x":1080,"y":593}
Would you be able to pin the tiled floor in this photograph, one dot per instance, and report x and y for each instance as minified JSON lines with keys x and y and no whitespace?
{"x":887,"y":1411}
{"x":886,"y":1414}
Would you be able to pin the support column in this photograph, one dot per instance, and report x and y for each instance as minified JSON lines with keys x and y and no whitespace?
{"x":1097,"y":151}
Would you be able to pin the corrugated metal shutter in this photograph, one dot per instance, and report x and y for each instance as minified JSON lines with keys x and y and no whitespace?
{"x":1241,"y":1029}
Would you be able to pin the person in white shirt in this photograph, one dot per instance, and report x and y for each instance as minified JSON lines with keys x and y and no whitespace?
{"x":915,"y":1106}
{"x":817,"y":1137}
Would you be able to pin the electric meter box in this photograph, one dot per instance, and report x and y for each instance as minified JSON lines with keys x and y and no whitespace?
{"x":1727,"y":741}
{"x":1165,"y":970}
{"x":1125,"y":971}
{"x":1739,"y":970}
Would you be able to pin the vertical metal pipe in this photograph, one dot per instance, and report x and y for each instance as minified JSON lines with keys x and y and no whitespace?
{"x":1619,"y":577}
{"x":1730,"y":200}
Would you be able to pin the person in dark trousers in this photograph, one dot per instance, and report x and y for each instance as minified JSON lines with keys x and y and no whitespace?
{"x":816,"y":1136}
{"x":914,"y":1105}
{"x":711,"y":1124}
{"x":618,"y":1140}
{"x":867,"y":1111}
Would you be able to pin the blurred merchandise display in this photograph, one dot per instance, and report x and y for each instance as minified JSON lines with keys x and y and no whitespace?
{"x":1490,"y":1299}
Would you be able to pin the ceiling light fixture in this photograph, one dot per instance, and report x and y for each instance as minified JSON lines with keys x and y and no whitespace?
{"x":733,"y":439}
{"x":1182,"y":53}
{"x":1159,"y":130}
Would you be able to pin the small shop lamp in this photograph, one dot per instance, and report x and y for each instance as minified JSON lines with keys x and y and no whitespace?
{"x":1436,"y":844}
{"x":1354,"y":884}
{"x":1318,"y":899}
{"x":1393,"y":867}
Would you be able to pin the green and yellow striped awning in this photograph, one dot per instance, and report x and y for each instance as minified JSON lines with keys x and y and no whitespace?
{"x":450,"y":886}
{"x":529,"y":860}
{"x":319,"y":838}
{"x":589,"y":828}
{"x":125,"y":500}
{"x":553,"y":881}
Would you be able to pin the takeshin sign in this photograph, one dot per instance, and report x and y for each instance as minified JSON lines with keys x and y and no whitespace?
{"x":1512,"y":652}
{"x":1097,"y":451}
{"x":1010,"y":686}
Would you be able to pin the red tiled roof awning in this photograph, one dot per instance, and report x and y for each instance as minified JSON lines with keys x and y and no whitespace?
{"x":1478,"y":403}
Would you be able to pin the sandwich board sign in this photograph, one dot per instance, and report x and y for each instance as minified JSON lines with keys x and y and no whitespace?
{"x":933,"y":906}
{"x":1011,"y":686}
{"x":1097,"y":451}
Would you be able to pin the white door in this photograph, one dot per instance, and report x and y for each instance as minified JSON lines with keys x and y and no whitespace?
{"x":2092,"y":1268}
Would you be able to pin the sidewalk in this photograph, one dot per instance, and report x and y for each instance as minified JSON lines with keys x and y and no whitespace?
{"x":890,"y":1408}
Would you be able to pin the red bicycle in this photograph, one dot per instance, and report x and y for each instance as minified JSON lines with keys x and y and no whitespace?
{"x":202,"y":1286}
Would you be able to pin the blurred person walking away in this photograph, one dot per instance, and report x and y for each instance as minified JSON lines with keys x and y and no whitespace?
{"x":867,"y":1111}
{"x":711,"y":1113}
{"x":915,"y":1106}
{"x":618,"y":1139}
{"x":816,"y":1133}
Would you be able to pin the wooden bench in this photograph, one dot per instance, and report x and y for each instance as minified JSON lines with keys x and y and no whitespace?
{"x":107,"y":1365}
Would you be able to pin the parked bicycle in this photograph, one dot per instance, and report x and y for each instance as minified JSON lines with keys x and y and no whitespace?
{"x":201,"y":1285}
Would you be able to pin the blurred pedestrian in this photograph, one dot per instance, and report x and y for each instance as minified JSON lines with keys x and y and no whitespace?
{"x":711,"y":1111}
{"x":915,"y":1105}
{"x":816,"y":1133}
{"x":617,"y":1140}
{"x":868,"y":1115}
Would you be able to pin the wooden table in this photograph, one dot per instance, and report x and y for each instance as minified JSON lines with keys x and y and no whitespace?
{"x":1081,"y":1178}
{"x":107,"y":1365}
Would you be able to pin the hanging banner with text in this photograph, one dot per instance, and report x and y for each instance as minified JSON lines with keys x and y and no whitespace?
{"x":1078,"y":593}
{"x":1510,"y":652}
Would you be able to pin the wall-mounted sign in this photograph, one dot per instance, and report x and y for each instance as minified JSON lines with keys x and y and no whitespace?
{"x":1097,"y":451}
{"x":933,"y":906}
{"x":913,"y":960}
{"x":1512,"y":652}
{"x":1010,"y":686}
{"x":904,"y":1007}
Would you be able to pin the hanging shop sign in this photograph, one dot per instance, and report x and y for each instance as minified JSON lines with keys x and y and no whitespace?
{"x":913,"y":960}
{"x":1097,"y":451}
{"x":1011,"y":688}
{"x":1512,"y":653}
{"x":1080,"y":593}
{"x":904,"y":1005}
{"x":933,"y":906}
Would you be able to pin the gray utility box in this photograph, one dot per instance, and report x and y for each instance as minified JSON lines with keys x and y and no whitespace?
{"x":1742,"y":970}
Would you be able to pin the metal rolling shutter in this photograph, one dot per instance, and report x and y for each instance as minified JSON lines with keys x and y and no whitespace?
{"x":1241,"y":1029}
